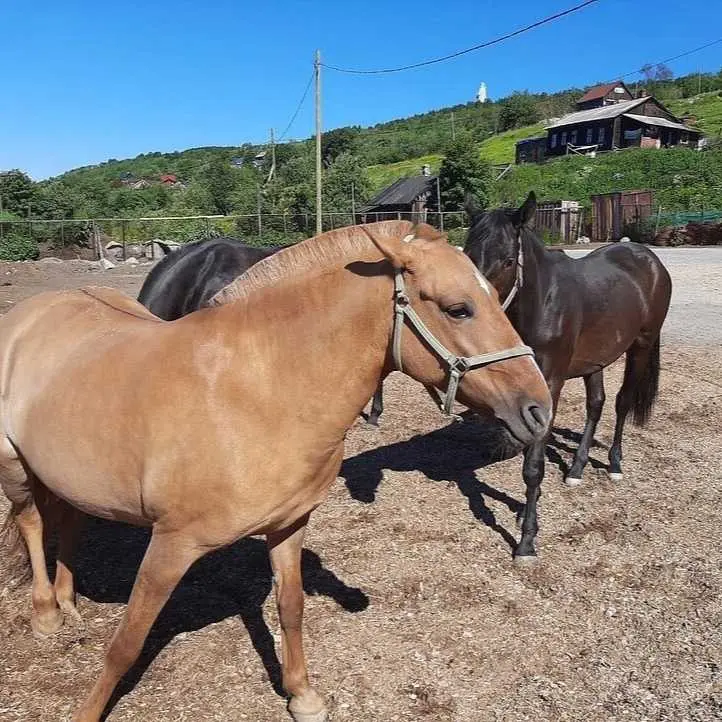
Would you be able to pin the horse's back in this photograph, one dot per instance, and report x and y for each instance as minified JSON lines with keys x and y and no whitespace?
{"x":184,"y":280}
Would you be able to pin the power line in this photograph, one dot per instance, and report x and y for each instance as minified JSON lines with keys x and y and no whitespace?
{"x":486,"y":44}
{"x":298,"y":109}
{"x":675,"y":57}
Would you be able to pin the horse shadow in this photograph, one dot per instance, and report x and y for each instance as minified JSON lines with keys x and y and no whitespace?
{"x":455,"y":453}
{"x":234,"y":581}
{"x":451,"y":454}
{"x":556,"y":443}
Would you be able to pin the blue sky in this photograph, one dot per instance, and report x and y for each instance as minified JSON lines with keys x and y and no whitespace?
{"x":86,"y":81}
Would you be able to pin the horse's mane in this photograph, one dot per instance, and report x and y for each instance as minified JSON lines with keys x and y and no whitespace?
{"x":314,"y":254}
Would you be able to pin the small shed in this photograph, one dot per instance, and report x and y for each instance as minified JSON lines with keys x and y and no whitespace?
{"x":613,"y":213}
{"x":406,"y":199}
{"x":531,"y":150}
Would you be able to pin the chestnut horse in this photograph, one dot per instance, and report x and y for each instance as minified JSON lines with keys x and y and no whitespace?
{"x":214,"y":433}
{"x":579,"y":316}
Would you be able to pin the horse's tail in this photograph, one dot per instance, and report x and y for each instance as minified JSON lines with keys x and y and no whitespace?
{"x":13,"y":551}
{"x":646,"y":387}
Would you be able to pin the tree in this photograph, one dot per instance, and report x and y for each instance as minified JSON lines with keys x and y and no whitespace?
{"x":517,"y":110}
{"x":336,"y":142}
{"x":220,"y":181}
{"x":463,"y":171}
{"x":347,"y":170}
{"x":17,"y":192}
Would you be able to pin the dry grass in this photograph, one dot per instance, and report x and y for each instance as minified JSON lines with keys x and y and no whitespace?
{"x":414,"y":609}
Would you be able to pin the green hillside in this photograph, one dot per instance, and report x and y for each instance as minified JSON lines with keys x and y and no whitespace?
{"x":707,"y":108}
{"x":501,"y":148}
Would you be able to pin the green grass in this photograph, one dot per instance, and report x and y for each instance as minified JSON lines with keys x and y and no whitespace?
{"x":501,"y":148}
{"x":382,"y":176}
{"x":707,"y":107}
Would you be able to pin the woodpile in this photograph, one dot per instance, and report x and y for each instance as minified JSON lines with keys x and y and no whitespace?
{"x":691,"y":234}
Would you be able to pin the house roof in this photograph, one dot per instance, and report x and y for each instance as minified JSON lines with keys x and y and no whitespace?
{"x":606,"y":111}
{"x":403,"y":191}
{"x":168,"y":178}
{"x":600,"y":91}
{"x":663,"y":122}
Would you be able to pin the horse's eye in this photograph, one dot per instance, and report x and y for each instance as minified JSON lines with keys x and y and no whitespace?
{"x":509,"y":263}
{"x":459,"y":311}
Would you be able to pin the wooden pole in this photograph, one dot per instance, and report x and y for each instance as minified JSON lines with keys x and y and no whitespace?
{"x":319,"y":217}
{"x":438,"y":203}
{"x":453,"y":129}
{"x":353,"y":205}
{"x":258,"y":211}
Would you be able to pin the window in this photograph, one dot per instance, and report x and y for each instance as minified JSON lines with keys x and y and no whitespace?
{"x":564,"y":138}
{"x":573,"y":137}
{"x":600,"y":139}
{"x":553,"y":143}
{"x":590,"y":135}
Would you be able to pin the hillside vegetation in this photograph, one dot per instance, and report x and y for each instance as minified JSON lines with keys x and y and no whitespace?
{"x":234,"y":180}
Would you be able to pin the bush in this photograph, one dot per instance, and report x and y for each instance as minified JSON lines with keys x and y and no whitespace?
{"x":15,"y":246}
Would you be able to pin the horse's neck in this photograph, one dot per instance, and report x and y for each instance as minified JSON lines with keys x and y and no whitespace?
{"x":324,"y":339}
{"x":537,"y":273}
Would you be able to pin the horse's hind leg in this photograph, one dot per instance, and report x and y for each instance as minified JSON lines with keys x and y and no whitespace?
{"x":17,"y":483}
{"x":638,"y":392}
{"x":165,"y":562}
{"x":594,"y":384}
{"x":70,"y":524}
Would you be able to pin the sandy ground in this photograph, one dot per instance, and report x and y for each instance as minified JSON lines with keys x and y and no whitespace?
{"x":414,"y":609}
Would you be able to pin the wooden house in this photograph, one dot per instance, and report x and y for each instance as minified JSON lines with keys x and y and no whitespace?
{"x":603,"y":95}
{"x":637,"y":122}
{"x":405,"y":199}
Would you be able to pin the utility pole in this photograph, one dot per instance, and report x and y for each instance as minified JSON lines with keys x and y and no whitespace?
{"x":319,"y":218}
{"x":353,"y":205}
{"x":273,"y":158}
{"x":438,"y":202}
{"x":453,"y":129}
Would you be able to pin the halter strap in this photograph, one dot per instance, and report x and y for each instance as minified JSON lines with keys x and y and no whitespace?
{"x":458,"y":365}
{"x":519,"y":279}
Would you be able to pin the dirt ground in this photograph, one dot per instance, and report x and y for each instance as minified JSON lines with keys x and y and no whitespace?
{"x":414,"y":609}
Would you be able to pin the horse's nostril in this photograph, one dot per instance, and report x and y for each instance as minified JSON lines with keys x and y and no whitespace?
{"x":536,"y":417}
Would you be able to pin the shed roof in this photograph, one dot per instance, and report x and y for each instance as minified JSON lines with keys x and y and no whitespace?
{"x":650,"y":120}
{"x":600,"y":91}
{"x":403,"y":191}
{"x":606,"y":111}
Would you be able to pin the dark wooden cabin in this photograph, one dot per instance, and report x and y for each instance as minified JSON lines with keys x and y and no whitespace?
{"x":531,"y":150}
{"x":406,"y":199}
{"x":638,"y":122}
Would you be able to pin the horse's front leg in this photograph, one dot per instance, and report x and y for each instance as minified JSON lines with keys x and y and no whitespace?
{"x":594,"y":384}
{"x":285,"y":548}
{"x":377,"y":405}
{"x":533,"y":473}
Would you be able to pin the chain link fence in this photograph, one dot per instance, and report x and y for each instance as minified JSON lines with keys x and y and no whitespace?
{"x":89,"y":238}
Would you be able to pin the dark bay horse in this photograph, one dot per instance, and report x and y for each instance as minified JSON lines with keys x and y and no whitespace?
{"x":204,"y":450}
{"x":185,"y":280}
{"x":579,"y":316}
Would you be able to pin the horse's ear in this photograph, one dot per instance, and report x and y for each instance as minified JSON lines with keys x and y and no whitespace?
{"x":471,"y":206}
{"x":524,"y":217}
{"x":394,"y":249}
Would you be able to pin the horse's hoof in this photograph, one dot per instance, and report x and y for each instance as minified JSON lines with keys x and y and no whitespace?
{"x":72,"y":613}
{"x":321,"y":716}
{"x":46,"y":625}
{"x":308,"y":708}
{"x":572,"y":481}
{"x":616,"y":476}
{"x":526,"y":561}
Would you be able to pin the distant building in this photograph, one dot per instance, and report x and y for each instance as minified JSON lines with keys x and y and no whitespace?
{"x":481,"y":95}
{"x":608,"y":117}
{"x":168,"y":179}
{"x":602,"y":95}
{"x":406,"y":199}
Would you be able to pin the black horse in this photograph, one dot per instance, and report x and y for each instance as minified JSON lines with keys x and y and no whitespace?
{"x":184,"y":280}
{"x":579,"y":316}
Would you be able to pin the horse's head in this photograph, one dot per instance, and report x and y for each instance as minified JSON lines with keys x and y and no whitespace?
{"x":493,"y":241}
{"x":461,"y":311}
